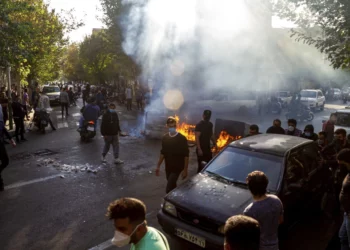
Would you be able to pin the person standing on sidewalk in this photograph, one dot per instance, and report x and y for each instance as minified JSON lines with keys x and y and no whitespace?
{"x":128,"y":95}
{"x":204,"y":134}
{"x":343,"y":158}
{"x":266,"y":209}
{"x":4,"y":159}
{"x":25,"y":102}
{"x":129,"y":219}
{"x":110,"y":130}
{"x":175,"y":152}
{"x":4,"y":101}
{"x":18,"y":117}
{"x":64,"y":99}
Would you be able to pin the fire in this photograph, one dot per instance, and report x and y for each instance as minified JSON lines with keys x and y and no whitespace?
{"x":186,"y":129}
{"x":224,"y":139}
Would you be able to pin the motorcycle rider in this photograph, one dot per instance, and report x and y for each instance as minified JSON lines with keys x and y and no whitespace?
{"x":292,"y":128}
{"x":44,"y":105}
{"x":309,"y":133}
{"x":90,"y":112}
{"x":100,"y":99}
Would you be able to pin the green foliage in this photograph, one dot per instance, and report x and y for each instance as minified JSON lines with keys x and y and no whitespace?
{"x":321,"y":23}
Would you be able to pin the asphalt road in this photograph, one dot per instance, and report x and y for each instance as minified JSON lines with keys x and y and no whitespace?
{"x":57,"y":190}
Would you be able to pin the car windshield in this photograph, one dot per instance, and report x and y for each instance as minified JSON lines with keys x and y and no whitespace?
{"x":282,"y":94}
{"x":235,"y":164}
{"x":51,"y":89}
{"x":343,"y":119}
{"x":308,"y":94}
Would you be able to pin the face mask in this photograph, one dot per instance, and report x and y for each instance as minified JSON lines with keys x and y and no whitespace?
{"x":121,"y":240}
{"x":112,"y":110}
{"x":172,"y":130}
{"x":308,"y":134}
{"x":291,"y":128}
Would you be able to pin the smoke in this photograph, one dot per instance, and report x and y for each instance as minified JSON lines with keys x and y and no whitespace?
{"x":206,"y":46}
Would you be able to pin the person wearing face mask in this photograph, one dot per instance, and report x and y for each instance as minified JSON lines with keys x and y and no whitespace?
{"x":129,"y":217}
{"x":276,"y":128}
{"x":322,"y":139}
{"x":242,"y":232}
{"x":343,"y":158}
{"x":175,"y":152}
{"x":292,"y":128}
{"x":309,"y":133}
{"x":110,"y":130}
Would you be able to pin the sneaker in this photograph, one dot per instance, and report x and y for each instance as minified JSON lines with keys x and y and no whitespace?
{"x":118,"y":161}
{"x":103,"y":158}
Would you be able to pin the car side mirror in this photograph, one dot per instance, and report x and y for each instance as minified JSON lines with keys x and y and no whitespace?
{"x":203,"y":164}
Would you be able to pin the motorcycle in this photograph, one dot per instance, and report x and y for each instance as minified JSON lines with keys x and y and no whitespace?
{"x":304,"y":113}
{"x":276,"y":107}
{"x":88,"y":131}
{"x":42,"y":119}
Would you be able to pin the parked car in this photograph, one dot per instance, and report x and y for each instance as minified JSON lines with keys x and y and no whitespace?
{"x":343,"y":120}
{"x":53,"y":92}
{"x":196,"y":211}
{"x":314,"y":98}
{"x":337,"y":94}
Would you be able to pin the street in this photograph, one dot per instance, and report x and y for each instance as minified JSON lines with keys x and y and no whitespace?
{"x":57,"y":190}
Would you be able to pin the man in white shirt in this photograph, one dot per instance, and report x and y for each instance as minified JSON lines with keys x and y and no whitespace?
{"x":128,"y":95}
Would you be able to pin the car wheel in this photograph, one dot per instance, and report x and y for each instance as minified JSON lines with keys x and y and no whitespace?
{"x":311,"y":117}
{"x":322,"y":107}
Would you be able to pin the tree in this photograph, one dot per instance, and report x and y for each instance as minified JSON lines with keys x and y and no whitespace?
{"x":72,"y":66}
{"x":322,"y":23}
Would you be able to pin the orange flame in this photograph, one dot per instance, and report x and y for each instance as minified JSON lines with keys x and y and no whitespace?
{"x":224,"y":139}
{"x":186,"y":130}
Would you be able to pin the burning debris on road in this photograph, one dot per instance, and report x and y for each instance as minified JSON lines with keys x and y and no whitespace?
{"x":223,"y":140}
{"x":186,"y":130}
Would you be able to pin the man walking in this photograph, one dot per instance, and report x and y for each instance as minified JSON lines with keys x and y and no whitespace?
{"x":129,"y":217}
{"x":18,"y":117}
{"x":4,"y":159}
{"x":266,"y":209}
{"x":204,"y":134}
{"x":128,"y":95}
{"x":64,"y":99}
{"x":175,"y":152}
{"x":110,"y":130}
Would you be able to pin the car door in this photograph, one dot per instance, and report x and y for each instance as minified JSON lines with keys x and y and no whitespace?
{"x":320,"y":98}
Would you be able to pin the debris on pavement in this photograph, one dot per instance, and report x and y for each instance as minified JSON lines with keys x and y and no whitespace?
{"x":62,"y":176}
{"x":67,"y":168}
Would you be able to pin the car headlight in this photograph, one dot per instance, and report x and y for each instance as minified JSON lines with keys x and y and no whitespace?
{"x":221,"y":229}
{"x":169,"y":208}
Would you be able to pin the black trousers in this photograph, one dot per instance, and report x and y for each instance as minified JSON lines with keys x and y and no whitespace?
{"x":207,"y":156}
{"x":19,"y":122}
{"x":4,"y":160}
{"x":172,"y":181}
{"x":64,"y":106}
{"x":139,"y":104}
{"x":128,"y":104}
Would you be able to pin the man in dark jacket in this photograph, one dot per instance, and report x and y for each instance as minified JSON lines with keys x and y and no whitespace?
{"x":18,"y":112}
{"x":309,"y":133}
{"x":276,"y":128}
{"x":253,"y":130}
{"x":4,"y":159}
{"x":110,"y":130}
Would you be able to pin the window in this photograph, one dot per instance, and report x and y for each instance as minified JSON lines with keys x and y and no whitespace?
{"x":308,"y":94}
{"x":343,"y":119}
{"x":51,"y":89}
{"x":235,"y":164}
{"x":320,"y":94}
{"x":283,"y":94}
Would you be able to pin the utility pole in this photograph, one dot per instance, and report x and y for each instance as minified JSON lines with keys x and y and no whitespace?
{"x":9,"y":97}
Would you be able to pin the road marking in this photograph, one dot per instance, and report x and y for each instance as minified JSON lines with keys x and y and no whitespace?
{"x":108,"y":243}
{"x":76,"y":114}
{"x":25,"y":183}
{"x":62,"y":125}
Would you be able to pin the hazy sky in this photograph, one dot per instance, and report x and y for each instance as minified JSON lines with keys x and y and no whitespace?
{"x":87,"y":10}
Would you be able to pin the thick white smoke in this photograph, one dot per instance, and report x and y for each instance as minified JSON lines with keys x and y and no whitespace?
{"x":201,"y":46}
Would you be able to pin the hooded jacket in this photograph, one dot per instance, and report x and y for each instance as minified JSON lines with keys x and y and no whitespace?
{"x":110,"y":124}
{"x":312,"y":136}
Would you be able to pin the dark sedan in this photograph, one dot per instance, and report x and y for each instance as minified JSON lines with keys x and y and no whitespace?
{"x":197,"y":210}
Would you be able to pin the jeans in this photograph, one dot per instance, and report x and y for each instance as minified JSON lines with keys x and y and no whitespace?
{"x":114,"y":141}
{"x":64,"y":106}
{"x":19,"y":122}
{"x":344,"y":233}
{"x":207,"y":156}
{"x":128,"y":104}
{"x":172,"y":180}
{"x":4,"y":160}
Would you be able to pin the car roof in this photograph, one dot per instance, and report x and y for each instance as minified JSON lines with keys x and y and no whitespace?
{"x":310,"y":90}
{"x":343,"y":111}
{"x":270,"y":143}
